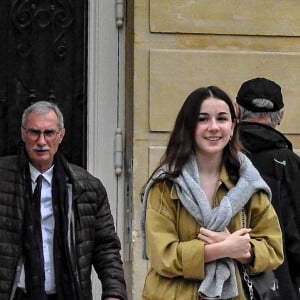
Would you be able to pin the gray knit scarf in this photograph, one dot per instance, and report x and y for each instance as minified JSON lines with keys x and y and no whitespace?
{"x":220,"y":278}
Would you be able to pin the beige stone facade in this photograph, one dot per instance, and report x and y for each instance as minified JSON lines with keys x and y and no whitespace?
{"x":175,"y":46}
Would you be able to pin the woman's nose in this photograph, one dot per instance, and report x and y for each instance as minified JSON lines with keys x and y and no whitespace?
{"x":212,"y":125}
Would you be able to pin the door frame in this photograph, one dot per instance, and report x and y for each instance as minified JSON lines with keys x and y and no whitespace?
{"x":105,"y":107}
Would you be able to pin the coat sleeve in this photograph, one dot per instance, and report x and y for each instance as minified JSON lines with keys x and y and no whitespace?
{"x":266,"y":235}
{"x":169,"y":254}
{"x":106,"y":254}
{"x":292,"y":177}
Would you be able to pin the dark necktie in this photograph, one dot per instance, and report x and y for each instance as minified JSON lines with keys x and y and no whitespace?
{"x":36,"y":202}
{"x":37,"y":191}
{"x":34,"y":258}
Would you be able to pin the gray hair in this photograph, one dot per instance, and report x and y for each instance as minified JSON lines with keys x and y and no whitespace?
{"x":275,"y":116}
{"x":43,"y":107}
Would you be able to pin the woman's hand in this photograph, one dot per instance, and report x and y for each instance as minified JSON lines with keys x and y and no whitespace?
{"x":235,"y":245}
{"x":238,"y":245}
{"x":211,"y":237}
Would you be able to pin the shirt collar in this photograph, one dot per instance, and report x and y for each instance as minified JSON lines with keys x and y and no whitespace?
{"x":224,"y":178}
{"x":46,"y":175}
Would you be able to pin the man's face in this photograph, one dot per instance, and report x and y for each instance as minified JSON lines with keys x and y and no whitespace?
{"x":42,"y":137}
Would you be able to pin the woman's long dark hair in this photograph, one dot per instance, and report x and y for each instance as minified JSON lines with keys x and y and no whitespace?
{"x":181,"y":143}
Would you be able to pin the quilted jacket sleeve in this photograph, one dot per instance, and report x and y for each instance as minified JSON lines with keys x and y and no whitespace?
{"x":106,"y":254}
{"x":97,"y":243}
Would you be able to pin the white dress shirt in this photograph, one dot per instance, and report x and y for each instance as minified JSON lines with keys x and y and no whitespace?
{"x":47,"y":225}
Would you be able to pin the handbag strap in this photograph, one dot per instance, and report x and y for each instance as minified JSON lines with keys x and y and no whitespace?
{"x":246,"y":276}
{"x":244,"y":217}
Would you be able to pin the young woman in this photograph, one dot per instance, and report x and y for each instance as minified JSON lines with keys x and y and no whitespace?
{"x":192,"y":208}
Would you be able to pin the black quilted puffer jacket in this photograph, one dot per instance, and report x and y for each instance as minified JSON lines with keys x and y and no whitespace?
{"x":95,"y":240}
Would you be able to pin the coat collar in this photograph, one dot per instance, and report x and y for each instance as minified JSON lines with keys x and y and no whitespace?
{"x":223,"y":179}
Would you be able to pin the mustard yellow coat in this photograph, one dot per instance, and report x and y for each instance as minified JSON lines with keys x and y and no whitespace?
{"x":175,"y":254}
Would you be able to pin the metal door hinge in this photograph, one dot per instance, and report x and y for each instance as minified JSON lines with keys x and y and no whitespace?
{"x":118,"y":151}
{"x":128,"y":235}
{"x":119,"y":11}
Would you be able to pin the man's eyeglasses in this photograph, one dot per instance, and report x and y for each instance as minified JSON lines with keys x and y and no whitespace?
{"x":34,"y":134}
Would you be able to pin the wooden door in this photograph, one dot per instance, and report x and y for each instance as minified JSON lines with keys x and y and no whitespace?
{"x":43,"y":57}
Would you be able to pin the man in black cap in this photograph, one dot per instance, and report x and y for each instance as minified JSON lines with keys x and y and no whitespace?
{"x":260,"y":109}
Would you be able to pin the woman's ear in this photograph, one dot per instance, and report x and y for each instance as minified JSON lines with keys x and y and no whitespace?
{"x":232,"y":129}
{"x":237,"y":111}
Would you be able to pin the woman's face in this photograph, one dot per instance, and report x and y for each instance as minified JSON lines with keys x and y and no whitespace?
{"x":214,"y":127}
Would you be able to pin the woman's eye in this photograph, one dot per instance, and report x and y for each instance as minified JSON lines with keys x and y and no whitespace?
{"x":201,"y":119}
{"x":222,"y":119}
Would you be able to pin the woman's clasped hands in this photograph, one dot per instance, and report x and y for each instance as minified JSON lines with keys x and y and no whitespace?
{"x":235,"y":245}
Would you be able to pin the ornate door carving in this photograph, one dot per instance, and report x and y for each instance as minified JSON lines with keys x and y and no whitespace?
{"x":43,"y":57}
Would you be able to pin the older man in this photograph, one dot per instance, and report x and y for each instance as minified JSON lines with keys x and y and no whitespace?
{"x":55,"y":220}
{"x":261,"y":109}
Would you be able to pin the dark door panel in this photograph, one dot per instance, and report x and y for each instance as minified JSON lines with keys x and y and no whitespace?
{"x":43,"y":57}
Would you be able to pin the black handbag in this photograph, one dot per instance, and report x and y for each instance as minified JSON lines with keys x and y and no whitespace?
{"x":260,"y":286}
